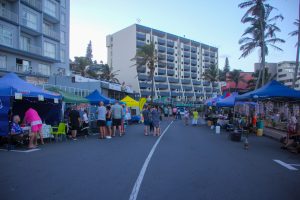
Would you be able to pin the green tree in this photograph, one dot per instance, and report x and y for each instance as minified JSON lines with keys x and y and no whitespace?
{"x":296,"y":33}
{"x":108,"y":74}
{"x":212,"y":74}
{"x":147,"y":56}
{"x":226,"y":69}
{"x":252,"y":83}
{"x":89,"y":53}
{"x":236,"y":77}
{"x":261,"y":32}
{"x":80,"y":64}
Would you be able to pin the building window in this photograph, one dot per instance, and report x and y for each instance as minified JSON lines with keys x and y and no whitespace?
{"x":50,"y":8}
{"x":49,"y":50}
{"x":30,"y":19}
{"x":24,"y":43}
{"x":2,"y":62}
{"x":6,"y":36}
{"x":44,"y":69}
{"x":63,"y":19}
{"x":63,"y":3}
{"x":62,"y":55}
{"x":62,"y":37}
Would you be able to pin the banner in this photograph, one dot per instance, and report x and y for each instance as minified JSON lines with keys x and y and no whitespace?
{"x":142,"y":103}
{"x":4,"y":108}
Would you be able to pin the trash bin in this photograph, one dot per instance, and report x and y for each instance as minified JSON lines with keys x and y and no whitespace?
{"x":218,"y":129}
{"x":259,"y":132}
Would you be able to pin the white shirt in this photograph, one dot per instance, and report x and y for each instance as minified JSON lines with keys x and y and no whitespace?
{"x":85,"y":118}
{"x":101,"y":113}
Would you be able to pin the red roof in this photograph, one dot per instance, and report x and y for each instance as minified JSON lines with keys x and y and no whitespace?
{"x":241,"y":85}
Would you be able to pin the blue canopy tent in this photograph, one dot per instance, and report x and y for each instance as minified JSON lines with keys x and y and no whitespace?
{"x":273,"y":90}
{"x":10,"y":84}
{"x":95,"y":97}
{"x":228,"y":101}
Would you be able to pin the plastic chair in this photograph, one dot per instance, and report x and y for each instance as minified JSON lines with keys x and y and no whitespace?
{"x":59,"y":131}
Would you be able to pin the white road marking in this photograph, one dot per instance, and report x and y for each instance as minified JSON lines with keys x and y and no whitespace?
{"x":286,"y":165}
{"x":139,"y":180}
{"x":297,"y":165}
{"x":22,"y":151}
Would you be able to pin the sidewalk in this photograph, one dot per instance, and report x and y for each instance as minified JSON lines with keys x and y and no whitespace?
{"x":274,"y":134}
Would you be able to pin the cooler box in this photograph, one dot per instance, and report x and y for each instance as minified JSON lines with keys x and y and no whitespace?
{"x":259,"y":132}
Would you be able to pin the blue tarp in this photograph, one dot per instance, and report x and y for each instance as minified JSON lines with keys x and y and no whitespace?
{"x":273,"y":89}
{"x":11,"y":84}
{"x":95,"y":97}
{"x":228,"y":101}
{"x":4,"y":108}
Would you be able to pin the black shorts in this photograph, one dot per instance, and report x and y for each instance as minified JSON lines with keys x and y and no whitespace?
{"x":101,"y":122}
{"x":116,"y":122}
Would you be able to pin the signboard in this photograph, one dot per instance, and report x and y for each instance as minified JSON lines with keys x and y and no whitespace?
{"x":113,"y":86}
{"x":41,"y":97}
{"x":55,"y":100}
{"x":18,"y":96}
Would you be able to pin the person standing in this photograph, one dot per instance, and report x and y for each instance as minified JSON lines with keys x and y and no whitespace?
{"x":195,"y":117}
{"x":74,"y":119}
{"x":33,"y":118}
{"x":186,"y":116}
{"x":146,"y":114}
{"x":108,"y":122}
{"x":170,"y":112}
{"x":101,"y":122}
{"x":156,"y":121}
{"x":85,"y":123}
{"x":174,"y":112}
{"x":116,"y":117}
{"x":166,"y":111}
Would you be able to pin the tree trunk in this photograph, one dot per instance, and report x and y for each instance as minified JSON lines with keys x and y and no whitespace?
{"x":258,"y":79}
{"x":152,"y":88}
{"x":262,"y":48}
{"x":297,"y":56}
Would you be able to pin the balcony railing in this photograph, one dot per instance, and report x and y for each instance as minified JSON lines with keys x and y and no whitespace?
{"x":186,"y":48}
{"x":170,"y":72}
{"x":145,"y":93}
{"x":194,"y":49}
{"x":160,"y":78}
{"x":140,"y":44}
{"x":170,"y":65}
{"x":170,"y":51}
{"x":143,"y":77}
{"x":189,"y":94}
{"x":7,"y":14}
{"x":176,"y":94}
{"x":193,"y":62}
{"x":199,"y":94}
{"x":194,"y":76}
{"x":194,"y":56}
{"x":32,"y":49}
{"x":51,"y":33}
{"x":186,"y":68}
{"x":195,"y":82}
{"x":185,"y":81}
{"x":175,"y":87}
{"x":161,"y":72}
{"x":161,"y":49}
{"x":162,"y":86}
{"x":197,"y":88}
{"x":141,"y":36}
{"x":186,"y":61}
{"x":161,"y":65}
{"x":194,"y":69}
{"x":170,"y":58}
{"x":187,"y":54}
{"x":187,"y":88}
{"x":30,"y":24}
{"x":164,"y":94}
{"x":141,"y":69}
{"x":161,"y":41}
{"x":205,"y":83}
{"x":37,"y":4}
{"x":144,"y":85}
{"x":173,"y":80}
{"x":23,"y":68}
{"x":170,"y":43}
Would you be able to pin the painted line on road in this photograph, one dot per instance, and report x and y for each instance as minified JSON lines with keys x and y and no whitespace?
{"x":286,"y":165}
{"x":21,"y":151}
{"x":139,"y":180}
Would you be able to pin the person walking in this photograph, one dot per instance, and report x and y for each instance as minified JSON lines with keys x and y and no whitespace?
{"x":156,"y":121}
{"x":195,"y":118}
{"x":85,"y":123}
{"x":186,"y":116}
{"x":32,"y":117}
{"x":108,"y":122}
{"x":166,"y":112}
{"x":174,"y":112}
{"x":74,"y":119}
{"x":170,"y":112}
{"x":146,"y":115}
{"x":101,"y":122}
{"x":116,"y":118}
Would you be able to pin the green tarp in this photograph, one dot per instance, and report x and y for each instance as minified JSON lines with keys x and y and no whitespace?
{"x":69,"y":97}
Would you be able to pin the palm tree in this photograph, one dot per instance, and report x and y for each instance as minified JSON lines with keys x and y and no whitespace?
{"x":296,"y":33}
{"x":108,"y":74}
{"x":212,"y":74}
{"x":262,"y":31}
{"x":147,"y":56}
{"x":236,"y":77}
{"x":268,"y":77}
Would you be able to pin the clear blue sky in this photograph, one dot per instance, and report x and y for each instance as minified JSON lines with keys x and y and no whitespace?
{"x":214,"y":22}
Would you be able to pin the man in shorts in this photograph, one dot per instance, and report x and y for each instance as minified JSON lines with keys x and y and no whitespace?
{"x":146,"y":115}
{"x":74,"y":119}
{"x":101,"y":120}
{"x":117,"y":113}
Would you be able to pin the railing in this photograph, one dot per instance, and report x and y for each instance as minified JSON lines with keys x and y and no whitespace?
{"x":173,"y":80}
{"x":32,"y":49}
{"x":51,"y":33}
{"x":23,"y":68}
{"x":141,"y":36}
{"x":162,"y":86}
{"x":34,"y":3}
{"x":72,"y":90}
{"x":30,"y":24}
{"x":7,"y":14}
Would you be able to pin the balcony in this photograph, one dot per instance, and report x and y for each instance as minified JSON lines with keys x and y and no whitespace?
{"x":35,"y":4}
{"x":195,"y":82}
{"x":206,"y":53}
{"x":164,"y":94}
{"x":176,"y":94}
{"x":144,"y":85}
{"x":161,"y":41}
{"x":145,"y":93}
{"x":186,"y":48}
{"x":186,"y":61}
{"x":170,"y":43}
{"x":24,"y":69}
{"x":51,"y":33}
{"x":170,"y":58}
{"x":216,"y":90}
{"x":141,"y":36}
{"x":199,"y":94}
{"x":215,"y":84}
{"x":187,"y":54}
{"x":161,"y":49}
{"x":160,"y":78}
{"x":185,"y":81}
{"x":161,"y":65}
{"x":197,"y":88}
{"x":161,"y":57}
{"x":141,"y":69}
{"x":32,"y":49}
{"x":8,"y":15}
{"x":162,"y":86}
{"x":194,"y":49}
{"x":161,"y":72}
{"x":187,"y":88}
{"x":186,"y":68}
{"x":170,"y":65}
{"x":194,"y":76}
{"x":175,"y":87}
{"x":173,"y":80}
{"x":207,"y":89}
{"x":170,"y":51}
{"x":189,"y":94}
{"x":143,"y":77}
{"x":206,"y":83}
{"x":140,"y":43}
{"x":208,"y":95}
{"x":194,"y":69}
{"x":170,"y":72}
{"x":193,"y":62}
{"x":194,"y":56}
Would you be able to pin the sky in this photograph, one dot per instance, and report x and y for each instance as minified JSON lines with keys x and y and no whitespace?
{"x":212,"y":22}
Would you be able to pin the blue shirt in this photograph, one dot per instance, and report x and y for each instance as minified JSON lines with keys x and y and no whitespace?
{"x":16,"y":129}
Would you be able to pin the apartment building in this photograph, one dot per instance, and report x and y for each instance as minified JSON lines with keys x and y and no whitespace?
{"x":34,"y":38}
{"x":178,"y":73}
{"x":272,"y":68}
{"x":285,"y":73}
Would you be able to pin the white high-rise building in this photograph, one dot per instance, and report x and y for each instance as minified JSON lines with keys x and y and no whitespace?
{"x":178,"y":73}
{"x":285,"y":73}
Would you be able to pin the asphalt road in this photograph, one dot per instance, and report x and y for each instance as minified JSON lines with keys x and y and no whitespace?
{"x":188,"y":163}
